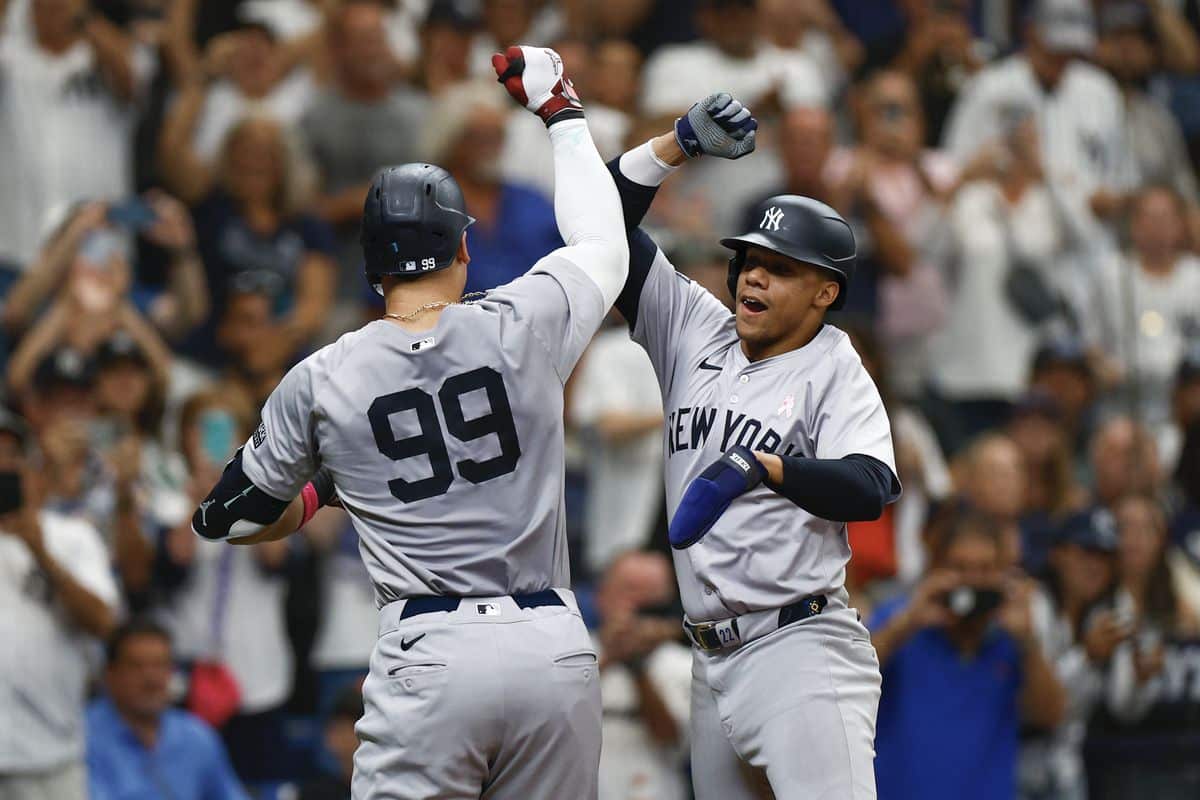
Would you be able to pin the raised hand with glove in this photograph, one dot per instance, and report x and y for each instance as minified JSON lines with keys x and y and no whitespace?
{"x":535,"y":78}
{"x":718,"y":126}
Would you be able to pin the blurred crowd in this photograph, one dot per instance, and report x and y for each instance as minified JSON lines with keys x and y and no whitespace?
{"x":181,"y":184}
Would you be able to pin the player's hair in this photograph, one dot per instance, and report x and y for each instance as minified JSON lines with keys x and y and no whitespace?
{"x":138,"y":626}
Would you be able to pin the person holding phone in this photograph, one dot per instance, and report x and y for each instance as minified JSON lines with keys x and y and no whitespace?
{"x":58,"y":597}
{"x":963,"y":638}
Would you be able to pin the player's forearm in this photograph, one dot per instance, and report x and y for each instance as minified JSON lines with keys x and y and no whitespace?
{"x":850,"y":489}
{"x":639,"y":172}
{"x":588,"y":208}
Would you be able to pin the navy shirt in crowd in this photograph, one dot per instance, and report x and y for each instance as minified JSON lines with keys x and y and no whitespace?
{"x":233,"y":252}
{"x":188,"y":761}
{"x":948,"y":722}
{"x":524,"y":231}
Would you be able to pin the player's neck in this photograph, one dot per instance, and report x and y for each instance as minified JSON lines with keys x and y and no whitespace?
{"x":413,"y":304}
{"x":805,"y":333}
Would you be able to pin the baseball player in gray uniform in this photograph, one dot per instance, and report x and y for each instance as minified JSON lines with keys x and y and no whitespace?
{"x":440,"y":429}
{"x":775,"y":438}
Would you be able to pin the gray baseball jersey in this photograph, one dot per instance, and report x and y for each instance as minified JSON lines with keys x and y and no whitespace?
{"x":446,"y":446}
{"x":817,"y":402}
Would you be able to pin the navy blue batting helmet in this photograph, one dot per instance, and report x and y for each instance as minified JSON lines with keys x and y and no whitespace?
{"x":800,"y":228}
{"x":413,"y":220}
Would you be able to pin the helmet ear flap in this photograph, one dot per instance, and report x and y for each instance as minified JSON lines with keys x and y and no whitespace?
{"x":736,"y":261}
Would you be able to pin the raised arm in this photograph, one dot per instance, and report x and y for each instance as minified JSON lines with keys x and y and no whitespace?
{"x":718,"y":125}
{"x":586,"y":205}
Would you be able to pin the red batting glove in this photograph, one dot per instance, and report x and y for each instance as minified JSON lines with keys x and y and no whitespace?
{"x":534,"y":77}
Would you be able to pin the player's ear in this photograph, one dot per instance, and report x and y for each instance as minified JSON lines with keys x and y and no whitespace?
{"x":827,"y":294}
{"x":463,"y":255}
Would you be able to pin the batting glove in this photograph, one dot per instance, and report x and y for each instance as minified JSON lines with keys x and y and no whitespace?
{"x":717,"y":126}
{"x":707,"y":497}
{"x":534,"y":77}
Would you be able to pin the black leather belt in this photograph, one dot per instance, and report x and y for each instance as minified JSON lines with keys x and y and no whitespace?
{"x":725,"y":633}
{"x":425,"y":605}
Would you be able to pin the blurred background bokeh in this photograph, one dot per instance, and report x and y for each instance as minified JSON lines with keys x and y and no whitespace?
{"x":181,"y":183}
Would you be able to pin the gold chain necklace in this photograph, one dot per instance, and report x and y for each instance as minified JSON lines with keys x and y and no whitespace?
{"x":466,"y":299}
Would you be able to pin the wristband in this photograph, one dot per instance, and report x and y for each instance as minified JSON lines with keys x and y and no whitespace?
{"x":311,"y":503}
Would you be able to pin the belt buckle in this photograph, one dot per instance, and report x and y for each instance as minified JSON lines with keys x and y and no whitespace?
{"x":709,"y":636}
{"x":705,"y":637}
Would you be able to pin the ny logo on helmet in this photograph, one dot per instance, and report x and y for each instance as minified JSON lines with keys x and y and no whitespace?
{"x":771,"y":219}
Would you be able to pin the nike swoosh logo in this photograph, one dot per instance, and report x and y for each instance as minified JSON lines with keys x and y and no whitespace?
{"x":705,"y":365}
{"x":405,"y":644}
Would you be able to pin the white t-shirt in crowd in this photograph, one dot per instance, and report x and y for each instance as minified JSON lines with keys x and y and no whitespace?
{"x":64,"y":137}
{"x":46,"y":660}
{"x":984,"y":349}
{"x":624,"y":487}
{"x":1145,"y":321}
{"x":1081,"y":130}
{"x":226,"y":106}
{"x":231,"y":610}
{"x":633,"y":766}
{"x":678,"y":75}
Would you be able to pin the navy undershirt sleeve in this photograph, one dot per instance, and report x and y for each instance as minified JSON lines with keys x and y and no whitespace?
{"x":635,"y":201}
{"x":850,"y":489}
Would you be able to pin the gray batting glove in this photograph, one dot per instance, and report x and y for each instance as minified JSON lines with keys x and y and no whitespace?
{"x":717,"y":126}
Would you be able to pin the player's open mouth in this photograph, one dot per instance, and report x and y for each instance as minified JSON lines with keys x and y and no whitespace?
{"x":754,"y":306}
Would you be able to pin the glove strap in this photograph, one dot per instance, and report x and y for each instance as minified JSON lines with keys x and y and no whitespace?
{"x":685,"y":136}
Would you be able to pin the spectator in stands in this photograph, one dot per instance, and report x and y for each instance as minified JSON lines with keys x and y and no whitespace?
{"x":248,"y":334}
{"x":993,"y":484}
{"x":362,"y":123}
{"x":1051,"y":491}
{"x":67,"y":112}
{"x":813,"y":27}
{"x":615,"y":400}
{"x":645,"y":680}
{"x":514,"y":225}
{"x":160,"y":220}
{"x":340,"y":742}
{"x":1146,"y":307}
{"x":1123,"y":459}
{"x":1062,"y":369}
{"x":901,"y":187}
{"x":730,"y":55}
{"x":1078,"y":635}
{"x":242,"y":71}
{"x":506,"y":22}
{"x":963,"y":639}
{"x":1185,"y":413}
{"x":58,"y":597}
{"x":203,"y":583}
{"x":137,"y":745}
{"x":253,"y":222}
{"x":1077,"y":108}
{"x":1129,"y":48}
{"x":1006,"y":238}
{"x":1151,"y":720}
{"x":447,"y":35}
{"x":939,"y":51}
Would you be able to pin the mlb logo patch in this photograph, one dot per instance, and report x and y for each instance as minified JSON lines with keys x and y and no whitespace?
{"x":260,"y":434}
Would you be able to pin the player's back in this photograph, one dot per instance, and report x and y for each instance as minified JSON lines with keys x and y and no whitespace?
{"x":446,"y":446}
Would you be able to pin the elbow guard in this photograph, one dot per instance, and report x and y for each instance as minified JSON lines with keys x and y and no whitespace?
{"x":235,"y":507}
